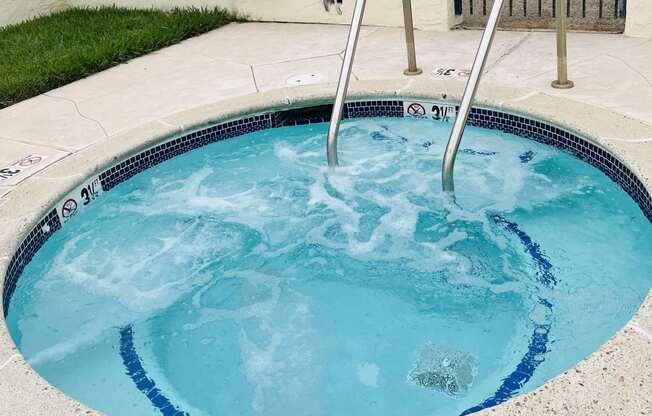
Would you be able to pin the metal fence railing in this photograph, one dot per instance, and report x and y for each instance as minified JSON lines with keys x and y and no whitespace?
{"x":590,"y":15}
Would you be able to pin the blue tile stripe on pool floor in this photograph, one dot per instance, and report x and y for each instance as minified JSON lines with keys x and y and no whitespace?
{"x":537,"y":347}
{"x":138,"y":375}
{"x":544,"y":274}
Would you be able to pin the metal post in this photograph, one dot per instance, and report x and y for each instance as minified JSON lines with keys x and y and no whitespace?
{"x":409,"y":39}
{"x":469,"y":93}
{"x":343,"y":83}
{"x":562,"y":81}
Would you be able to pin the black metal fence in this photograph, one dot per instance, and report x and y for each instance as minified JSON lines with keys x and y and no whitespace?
{"x":592,"y":15}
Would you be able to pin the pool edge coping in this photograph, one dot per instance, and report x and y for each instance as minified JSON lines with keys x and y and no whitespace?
{"x":628,"y":139}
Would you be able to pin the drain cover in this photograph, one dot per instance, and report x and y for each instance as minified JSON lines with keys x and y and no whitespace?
{"x":448,"y":371}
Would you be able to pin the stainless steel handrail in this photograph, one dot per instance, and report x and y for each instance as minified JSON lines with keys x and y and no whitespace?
{"x":562,"y":81}
{"x":412,"y":68}
{"x":347,"y":65}
{"x":343,"y":83}
{"x":469,"y":93}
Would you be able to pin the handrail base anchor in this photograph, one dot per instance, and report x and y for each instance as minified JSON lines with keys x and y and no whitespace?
{"x":409,"y":72}
{"x":562,"y":85}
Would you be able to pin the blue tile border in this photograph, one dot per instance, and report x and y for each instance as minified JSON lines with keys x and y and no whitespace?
{"x":492,"y":119}
{"x":158,"y":154}
{"x":28,"y":248}
{"x":377,"y":108}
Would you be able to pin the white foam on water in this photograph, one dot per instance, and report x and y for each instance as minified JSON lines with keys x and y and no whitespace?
{"x":277,"y":367}
{"x":388,"y":179}
{"x":124,"y":283}
{"x":260,"y":309}
{"x":296,"y":154}
{"x":86,"y":335}
{"x":319,"y":195}
{"x":189,"y":195}
{"x":278,"y":354}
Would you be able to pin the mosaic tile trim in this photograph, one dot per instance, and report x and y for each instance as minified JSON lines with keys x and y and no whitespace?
{"x":158,"y":154}
{"x":491,"y":119}
{"x":28,"y":248}
{"x":378,"y":108}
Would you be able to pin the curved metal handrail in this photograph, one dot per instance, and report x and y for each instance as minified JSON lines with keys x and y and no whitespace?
{"x":469,"y":93}
{"x":343,"y":83}
{"x":470,"y":90}
{"x":347,"y":65}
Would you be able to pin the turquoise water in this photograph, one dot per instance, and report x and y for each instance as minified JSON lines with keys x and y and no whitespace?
{"x":246,"y":278}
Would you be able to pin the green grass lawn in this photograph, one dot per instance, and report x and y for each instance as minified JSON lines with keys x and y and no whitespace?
{"x":51,"y":51}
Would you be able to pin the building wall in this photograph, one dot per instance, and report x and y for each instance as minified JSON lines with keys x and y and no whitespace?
{"x":15,"y":11}
{"x":639,"y":18}
{"x":429,"y":14}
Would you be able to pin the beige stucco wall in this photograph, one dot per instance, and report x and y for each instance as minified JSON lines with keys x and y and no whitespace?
{"x":639,"y":18}
{"x":428,"y":14}
{"x":15,"y":11}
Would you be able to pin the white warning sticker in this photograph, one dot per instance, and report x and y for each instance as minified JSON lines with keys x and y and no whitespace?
{"x":447,"y":72}
{"x":77,"y":200}
{"x":23,"y":164}
{"x":430,"y":110}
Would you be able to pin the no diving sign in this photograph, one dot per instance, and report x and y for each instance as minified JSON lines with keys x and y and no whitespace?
{"x":69,"y":208}
{"x":431,"y":110}
{"x":79,"y":199}
{"x":416,"y":110}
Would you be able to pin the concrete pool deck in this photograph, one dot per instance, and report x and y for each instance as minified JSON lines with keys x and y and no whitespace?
{"x":77,"y":129}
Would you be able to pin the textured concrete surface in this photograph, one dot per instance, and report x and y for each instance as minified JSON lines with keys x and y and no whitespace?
{"x":25,"y":393}
{"x":14,"y":11}
{"x":102,"y":119}
{"x":613,"y":381}
{"x":639,"y":20}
